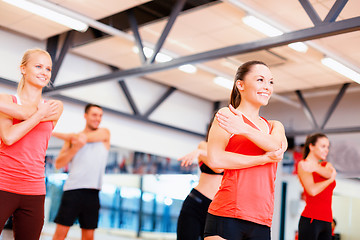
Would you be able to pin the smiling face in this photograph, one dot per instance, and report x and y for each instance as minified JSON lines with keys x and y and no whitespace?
{"x":257,"y":85}
{"x":93,"y":117}
{"x":321,"y":148}
{"x":36,"y":70}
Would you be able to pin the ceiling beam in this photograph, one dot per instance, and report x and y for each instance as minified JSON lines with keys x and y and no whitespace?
{"x":59,"y":60}
{"x":129,"y":97}
{"x":335,"y":103}
{"x":292,"y":133}
{"x":160,"y":101}
{"x":311,"y":12}
{"x":13,"y":84}
{"x":307,"y":110}
{"x":52,"y":46}
{"x":8,"y":82}
{"x":174,"y":14}
{"x":134,"y":117}
{"x":335,"y":10}
{"x":323,"y":30}
{"x":135,"y":30}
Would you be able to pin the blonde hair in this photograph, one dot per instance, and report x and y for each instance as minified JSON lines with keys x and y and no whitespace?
{"x":25,"y":59}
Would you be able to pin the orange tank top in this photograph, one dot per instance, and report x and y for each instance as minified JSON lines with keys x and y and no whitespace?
{"x":247,"y":193}
{"x":22,"y":164}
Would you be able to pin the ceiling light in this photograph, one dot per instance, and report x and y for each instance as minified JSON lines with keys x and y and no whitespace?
{"x":224,"y":82}
{"x":271,"y":31}
{"x":49,"y":14}
{"x":188,"y":68}
{"x":340,"y":68}
{"x":161,"y":57}
{"x":261,"y":26}
{"x":298,"y":46}
{"x":148,"y":52}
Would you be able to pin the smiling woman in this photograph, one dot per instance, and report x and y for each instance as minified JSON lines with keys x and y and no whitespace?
{"x":23,"y":146}
{"x":318,"y":180}
{"x":248,"y":148}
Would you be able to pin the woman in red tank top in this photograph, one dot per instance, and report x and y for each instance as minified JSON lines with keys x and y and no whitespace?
{"x":248,"y":148}
{"x":25,"y":131}
{"x":318,"y":180}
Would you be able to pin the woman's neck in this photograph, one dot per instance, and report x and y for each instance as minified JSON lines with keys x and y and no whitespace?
{"x":30,"y":96}
{"x":249,"y":110}
{"x":312,"y":157}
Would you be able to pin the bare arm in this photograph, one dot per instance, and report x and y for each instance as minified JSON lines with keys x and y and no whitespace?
{"x":14,"y":110}
{"x":12,"y":133}
{"x":324,"y":171}
{"x":193,"y":156}
{"x":307,"y":180}
{"x":99,"y":135}
{"x":218,"y":158}
{"x":69,"y":149}
{"x":231,"y":120}
{"x":63,"y":136}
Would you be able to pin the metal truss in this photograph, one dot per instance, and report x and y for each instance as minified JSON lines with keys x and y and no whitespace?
{"x":322,"y":28}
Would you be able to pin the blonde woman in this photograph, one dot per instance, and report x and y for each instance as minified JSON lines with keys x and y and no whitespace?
{"x":23,"y":147}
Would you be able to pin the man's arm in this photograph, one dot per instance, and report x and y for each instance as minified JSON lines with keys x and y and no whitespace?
{"x":69,"y":150}
{"x":99,"y":135}
{"x":63,"y":136}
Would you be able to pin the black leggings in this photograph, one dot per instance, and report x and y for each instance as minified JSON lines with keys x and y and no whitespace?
{"x":192,"y":216}
{"x":312,"y":229}
{"x":27,"y":211}
{"x":235,"y":229}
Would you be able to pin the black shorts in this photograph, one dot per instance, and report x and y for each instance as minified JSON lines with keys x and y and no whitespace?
{"x":235,"y":229}
{"x":83,"y":204}
{"x":312,"y":229}
{"x":191,"y":221}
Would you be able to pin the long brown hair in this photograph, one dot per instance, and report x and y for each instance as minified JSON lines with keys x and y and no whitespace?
{"x":235,"y":97}
{"x":311,"y":139}
{"x":25,"y":59}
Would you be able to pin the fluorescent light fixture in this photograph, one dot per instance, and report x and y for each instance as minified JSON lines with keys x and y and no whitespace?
{"x":160,"y":57}
{"x":271,"y":31}
{"x":49,"y":14}
{"x":188,"y":68}
{"x":224,"y":82}
{"x":340,"y":68}
{"x":148,"y":52}
{"x":299,"y":46}
{"x":261,"y":26}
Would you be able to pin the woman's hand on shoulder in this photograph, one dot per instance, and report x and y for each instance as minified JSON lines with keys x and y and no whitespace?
{"x":51,"y":110}
{"x":231,"y":120}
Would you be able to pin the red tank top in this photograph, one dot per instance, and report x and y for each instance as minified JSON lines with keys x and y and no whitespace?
{"x":247,"y":193}
{"x":22,"y":164}
{"x":319,"y":207}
